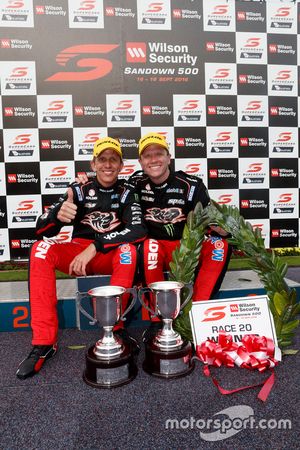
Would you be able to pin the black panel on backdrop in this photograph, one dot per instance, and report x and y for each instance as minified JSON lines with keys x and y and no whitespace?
{"x":219,"y":47}
{"x":129,"y":138}
{"x":23,"y":178}
{"x":3,"y":212}
{"x":284,"y":233}
{"x":253,"y":142}
{"x":283,"y":111}
{"x":221,"y":110}
{"x":19,"y":111}
{"x":20,"y":241}
{"x":283,"y":173}
{"x":1,"y":147}
{"x":190,"y":142}
{"x":222,"y":173}
{"x":56,"y":144}
{"x":282,"y":49}
{"x":48,"y":200}
{"x":89,"y":110}
{"x":250,"y":16}
{"x":254,"y":203}
{"x":252,"y":79}
{"x":155,"y":109}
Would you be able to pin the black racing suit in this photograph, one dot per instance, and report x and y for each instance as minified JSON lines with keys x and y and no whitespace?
{"x":165,"y":208}
{"x":111,"y":219}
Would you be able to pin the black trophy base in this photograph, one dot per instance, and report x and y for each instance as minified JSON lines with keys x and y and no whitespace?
{"x":110,"y":373}
{"x":168,"y":364}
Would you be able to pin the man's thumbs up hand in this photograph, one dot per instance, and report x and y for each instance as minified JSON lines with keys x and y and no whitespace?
{"x":68,"y":209}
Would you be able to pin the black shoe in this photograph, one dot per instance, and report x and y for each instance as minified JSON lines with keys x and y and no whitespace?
{"x":152,"y":331}
{"x":127,"y":339}
{"x":35,"y":360}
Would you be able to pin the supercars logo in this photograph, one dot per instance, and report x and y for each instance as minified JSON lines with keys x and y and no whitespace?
{"x":191,"y":104}
{"x":285,"y":198}
{"x":255,"y":167}
{"x":19,"y":72}
{"x":223,"y":136}
{"x":58,"y":171}
{"x":192,"y":168}
{"x":15,"y":4}
{"x":155,"y":7}
{"x":91,"y":138}
{"x":124,"y":105}
{"x":56,"y":105}
{"x":87,"y":5}
{"x":128,"y":169}
{"x":283,"y":12}
{"x":25,"y":205}
{"x":222,"y":73}
{"x":252,"y":42}
{"x":214,"y":313}
{"x":253,"y":105}
{"x":22,"y":139}
{"x":224,"y":199}
{"x":220,"y":9}
{"x":284,"y":75}
{"x":83,"y":56}
{"x":284,"y":137}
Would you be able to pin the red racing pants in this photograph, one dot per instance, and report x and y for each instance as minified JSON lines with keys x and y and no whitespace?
{"x":47,"y":256}
{"x":213,"y":262}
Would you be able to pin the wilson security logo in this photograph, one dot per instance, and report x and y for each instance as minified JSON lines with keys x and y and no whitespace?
{"x":55,"y":111}
{"x":249,"y":16}
{"x":22,"y":44}
{"x":86,"y":13}
{"x":18,"y":78}
{"x":156,"y":110}
{"x":251,"y":79}
{"x":123,"y":110}
{"x":160,"y":58}
{"x":188,"y":14}
{"x":251,"y":48}
{"x":154,"y":15}
{"x":252,"y":142}
{"x":116,"y":11}
{"x":189,"y":110}
{"x":16,"y":13}
{"x":50,"y":10}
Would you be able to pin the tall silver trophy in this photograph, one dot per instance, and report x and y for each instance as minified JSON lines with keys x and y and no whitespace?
{"x":167,"y":355}
{"x":110,"y":362}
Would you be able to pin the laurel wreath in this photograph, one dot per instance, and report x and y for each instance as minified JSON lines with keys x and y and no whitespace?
{"x":269,"y":267}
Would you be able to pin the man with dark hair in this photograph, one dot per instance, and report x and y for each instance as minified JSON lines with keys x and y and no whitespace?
{"x":107,"y":221}
{"x":166,"y":198}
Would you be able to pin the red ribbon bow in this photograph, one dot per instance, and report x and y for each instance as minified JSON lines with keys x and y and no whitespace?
{"x":254,"y":353}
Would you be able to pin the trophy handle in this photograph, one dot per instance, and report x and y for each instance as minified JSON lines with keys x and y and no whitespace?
{"x":134,"y":297}
{"x":79,"y":297}
{"x":190,"y":287}
{"x":141,"y":292}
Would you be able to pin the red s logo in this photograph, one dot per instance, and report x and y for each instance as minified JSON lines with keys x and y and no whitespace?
{"x":283,"y":75}
{"x":25,"y":205}
{"x":222,"y":73}
{"x":22,"y":139}
{"x":223,"y":136}
{"x":225,"y":198}
{"x":191,"y":104}
{"x":19,"y":72}
{"x":97,"y":67}
{"x":220,"y":9}
{"x":252,"y":42}
{"x":124,"y":104}
{"x":284,"y":137}
{"x":91,"y":138}
{"x":56,"y":105}
{"x":215,"y":313}
{"x":86,"y":5}
{"x":155,"y":7}
{"x":58,"y":171}
{"x":253,"y":105}
{"x":255,"y":167}
{"x":285,"y":198}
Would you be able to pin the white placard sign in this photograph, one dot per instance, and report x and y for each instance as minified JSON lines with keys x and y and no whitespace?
{"x":236,"y":316}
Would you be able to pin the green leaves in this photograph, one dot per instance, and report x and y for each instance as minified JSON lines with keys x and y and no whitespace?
{"x":270,"y":269}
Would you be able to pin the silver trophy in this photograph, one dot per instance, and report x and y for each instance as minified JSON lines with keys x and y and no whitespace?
{"x":167,"y":299}
{"x":167,"y":355}
{"x":110,"y":361}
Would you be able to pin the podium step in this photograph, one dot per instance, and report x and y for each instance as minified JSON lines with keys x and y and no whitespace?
{"x":15,"y":310}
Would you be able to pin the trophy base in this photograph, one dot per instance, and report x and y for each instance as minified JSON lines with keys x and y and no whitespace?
{"x":110,"y":373}
{"x":168,"y":364}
